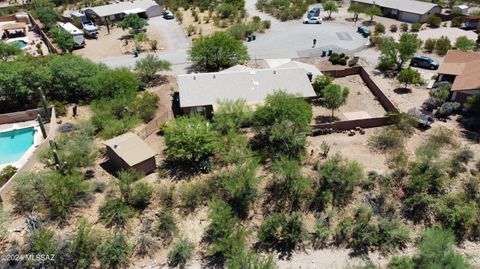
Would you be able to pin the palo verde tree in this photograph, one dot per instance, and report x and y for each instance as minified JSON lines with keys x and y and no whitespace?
{"x":356,"y":9}
{"x":334,"y":96}
{"x":216,"y":52}
{"x":134,"y":22}
{"x":149,"y":66}
{"x":330,"y":7}
{"x":372,"y":11}
{"x":282,"y":124}
{"x":396,"y":54}
{"x":409,"y":76}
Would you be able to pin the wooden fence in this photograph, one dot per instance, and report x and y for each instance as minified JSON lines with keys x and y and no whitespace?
{"x":323,"y":128}
{"x":37,"y":26}
{"x":20,"y":116}
{"x":152,"y":126}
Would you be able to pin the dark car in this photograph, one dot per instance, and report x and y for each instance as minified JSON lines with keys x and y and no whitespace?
{"x":168,"y":15}
{"x":424,"y":62}
{"x":314,"y":12}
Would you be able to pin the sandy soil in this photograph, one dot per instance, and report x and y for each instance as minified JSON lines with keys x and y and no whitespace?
{"x":360,"y":99}
{"x":113,"y":44}
{"x":202,"y":28}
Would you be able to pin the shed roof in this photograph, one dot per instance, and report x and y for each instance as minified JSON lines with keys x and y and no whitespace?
{"x":253,"y":86}
{"x":465,"y":66}
{"x":131,"y":148}
{"x":410,"y":6}
{"x":14,"y":26}
{"x":121,"y":7}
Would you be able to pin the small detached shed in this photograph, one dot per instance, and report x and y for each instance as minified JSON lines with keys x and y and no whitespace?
{"x":130,"y":151}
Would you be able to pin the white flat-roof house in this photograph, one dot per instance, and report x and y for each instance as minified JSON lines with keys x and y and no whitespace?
{"x":118,"y":10}
{"x":404,"y":10}
{"x":200,"y":93}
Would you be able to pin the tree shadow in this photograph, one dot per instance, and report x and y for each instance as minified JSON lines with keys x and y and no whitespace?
{"x":325,"y":119}
{"x":368,"y":23}
{"x":179,"y":169}
{"x":158,"y":80}
{"x":402,"y":91}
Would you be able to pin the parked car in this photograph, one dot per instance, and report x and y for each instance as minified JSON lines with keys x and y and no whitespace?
{"x":312,"y":20}
{"x":90,"y":29}
{"x":168,"y":15}
{"x":424,"y":62}
{"x":314,"y":12}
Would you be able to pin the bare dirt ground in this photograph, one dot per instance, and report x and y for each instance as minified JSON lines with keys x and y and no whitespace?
{"x":360,"y":100}
{"x":202,"y":27}
{"x":113,"y":44}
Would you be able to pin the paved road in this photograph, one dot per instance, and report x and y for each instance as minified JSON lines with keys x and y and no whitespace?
{"x":176,"y":46}
{"x":290,"y":39}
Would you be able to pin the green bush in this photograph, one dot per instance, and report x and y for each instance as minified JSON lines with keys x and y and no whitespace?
{"x":114,"y":252}
{"x":40,"y":242}
{"x":168,"y":196}
{"x":189,"y":138}
{"x":404,"y":27}
{"x":114,"y":212}
{"x":232,"y":148}
{"x":145,"y":106}
{"x":393,"y":28}
{"x":145,"y":245}
{"x":6,"y":173}
{"x":226,"y":10}
{"x":434,"y":21}
{"x":281,"y":232}
{"x":457,"y":21}
{"x":322,"y":234}
{"x":337,"y":178}
{"x":430,"y":44}
{"x":457,"y":215}
{"x":392,"y":235}
{"x":192,"y":194}
{"x":166,"y":226}
{"x":320,"y":82}
{"x":222,"y":220}
{"x":442,"y":45}
{"x":340,"y":59}
{"x":401,"y":262}
{"x":249,"y":259}
{"x":416,"y":27}
{"x":232,"y":115}
{"x":387,"y":139}
{"x":380,"y":28}
{"x":141,"y":194}
{"x":180,"y":253}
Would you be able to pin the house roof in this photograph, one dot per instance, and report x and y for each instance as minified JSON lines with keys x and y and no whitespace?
{"x":252,"y":85}
{"x":121,"y":7}
{"x":465,"y":66}
{"x":410,"y":6}
{"x":14,"y":26}
{"x":131,"y":148}
{"x":472,"y":18}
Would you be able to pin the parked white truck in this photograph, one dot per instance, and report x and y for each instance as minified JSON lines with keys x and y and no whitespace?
{"x":90,"y":29}
{"x":76,"y":34}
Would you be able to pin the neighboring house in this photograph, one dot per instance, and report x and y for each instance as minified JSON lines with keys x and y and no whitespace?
{"x":404,"y":10}
{"x":117,"y":11}
{"x":200,"y":93}
{"x":130,"y":151}
{"x":472,"y":22}
{"x":462,"y":69}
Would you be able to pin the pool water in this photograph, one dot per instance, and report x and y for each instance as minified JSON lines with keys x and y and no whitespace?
{"x":13,"y":144}
{"x":19,"y":44}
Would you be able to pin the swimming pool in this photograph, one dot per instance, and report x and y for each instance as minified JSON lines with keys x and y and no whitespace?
{"x":14,"y":144}
{"x":19,"y":44}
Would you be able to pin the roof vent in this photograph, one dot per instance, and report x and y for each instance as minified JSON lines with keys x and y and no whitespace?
{"x":214,"y":76}
{"x":274,"y":72}
{"x":115,"y":146}
{"x":194,"y":77}
{"x":252,"y":72}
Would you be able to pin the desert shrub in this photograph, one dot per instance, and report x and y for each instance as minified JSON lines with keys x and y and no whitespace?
{"x":232,"y":115}
{"x":266,"y":24}
{"x":442,"y":45}
{"x":380,"y":28}
{"x":289,"y":188}
{"x":192,"y":194}
{"x":459,"y":160}
{"x":392,"y":235}
{"x":3,"y":224}
{"x":114,"y":212}
{"x":281,"y":125}
{"x":180,"y":253}
{"x":463,"y":43}
{"x":337,"y":179}
{"x":436,"y":250}
{"x":387,"y":139}
{"x":241,"y":31}
{"x":281,"y":231}
{"x":144,"y":245}
{"x":434,"y":21}
{"x":114,"y":251}
{"x":189,"y":138}
{"x":340,"y":59}
{"x":41,"y":241}
{"x":167,"y":196}
{"x":165,"y":226}
{"x":404,"y":123}
{"x":321,"y":234}
{"x":439,"y":96}
{"x":6,"y":173}
{"x":140,"y":195}
{"x":222,"y":220}
{"x":393,"y":28}
{"x":457,"y":215}
{"x":320,"y":82}
{"x":404,"y":27}
{"x":401,"y":262}
{"x":240,"y":187}
{"x":145,"y":106}
{"x":447,"y":109}
{"x":364,"y":233}
{"x":233,"y":148}
{"x":113,"y":117}
{"x":225,"y":10}
{"x":430,"y":44}
{"x":472,"y":189}
{"x":416,"y":27}
{"x":457,"y":21}
{"x":27,"y":192}
{"x":249,"y":259}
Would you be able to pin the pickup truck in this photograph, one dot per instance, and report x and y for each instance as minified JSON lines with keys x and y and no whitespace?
{"x":90,"y":29}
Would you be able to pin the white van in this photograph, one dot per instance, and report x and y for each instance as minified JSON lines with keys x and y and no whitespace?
{"x":76,"y":34}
